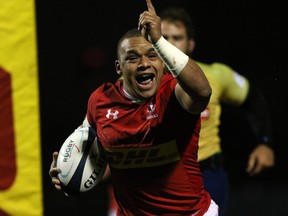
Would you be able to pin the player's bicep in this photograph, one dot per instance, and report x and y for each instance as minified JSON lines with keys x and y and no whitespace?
{"x":191,"y":105}
{"x":183,"y":98}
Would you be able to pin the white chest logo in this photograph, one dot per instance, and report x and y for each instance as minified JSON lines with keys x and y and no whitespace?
{"x":151,"y":112}
{"x":151,"y":108}
{"x":112,"y":114}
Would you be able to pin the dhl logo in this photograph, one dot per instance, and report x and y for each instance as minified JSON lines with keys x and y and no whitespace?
{"x":140,"y":157}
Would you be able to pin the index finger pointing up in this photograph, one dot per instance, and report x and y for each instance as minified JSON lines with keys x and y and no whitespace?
{"x":150,"y":6}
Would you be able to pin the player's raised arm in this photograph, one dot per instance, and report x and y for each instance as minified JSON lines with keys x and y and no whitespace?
{"x":193,"y":90}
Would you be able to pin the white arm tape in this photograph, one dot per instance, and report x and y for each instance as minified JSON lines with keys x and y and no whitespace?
{"x":174,"y":58}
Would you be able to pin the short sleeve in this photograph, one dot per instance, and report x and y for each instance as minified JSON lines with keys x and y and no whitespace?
{"x":234,"y":86}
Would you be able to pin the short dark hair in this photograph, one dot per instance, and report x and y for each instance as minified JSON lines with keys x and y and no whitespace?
{"x":129,"y":34}
{"x":173,"y":14}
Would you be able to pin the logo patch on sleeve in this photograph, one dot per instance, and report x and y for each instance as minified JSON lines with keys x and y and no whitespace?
{"x":239,"y":79}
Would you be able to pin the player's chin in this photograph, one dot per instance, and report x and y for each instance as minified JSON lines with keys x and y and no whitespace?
{"x":146,"y":94}
{"x":147,"y":91}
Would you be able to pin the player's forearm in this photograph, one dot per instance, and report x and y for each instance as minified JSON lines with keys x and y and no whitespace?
{"x":194,"y":91}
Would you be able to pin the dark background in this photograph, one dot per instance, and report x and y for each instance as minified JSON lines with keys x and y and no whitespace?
{"x":77,"y":46}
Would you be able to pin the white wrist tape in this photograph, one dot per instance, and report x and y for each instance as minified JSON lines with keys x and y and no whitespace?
{"x":174,"y":58}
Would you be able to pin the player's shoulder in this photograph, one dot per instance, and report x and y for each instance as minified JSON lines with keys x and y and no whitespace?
{"x":215,"y":67}
{"x":106,"y":89}
{"x":219,"y":72}
{"x":108,"y":86}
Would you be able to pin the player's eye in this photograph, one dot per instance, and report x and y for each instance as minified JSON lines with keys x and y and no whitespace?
{"x":152,"y":56}
{"x":132,"y":58}
{"x":178,"y":37}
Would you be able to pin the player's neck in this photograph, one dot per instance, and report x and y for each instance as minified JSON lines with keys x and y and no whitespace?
{"x":133,"y":99}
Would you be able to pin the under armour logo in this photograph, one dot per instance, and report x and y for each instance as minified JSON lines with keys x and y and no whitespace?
{"x":114,"y":114}
{"x":151,"y":113}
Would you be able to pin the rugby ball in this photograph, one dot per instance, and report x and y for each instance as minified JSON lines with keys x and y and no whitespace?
{"x":82,"y":161}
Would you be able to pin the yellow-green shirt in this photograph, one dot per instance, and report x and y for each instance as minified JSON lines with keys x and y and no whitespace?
{"x":227,"y":87}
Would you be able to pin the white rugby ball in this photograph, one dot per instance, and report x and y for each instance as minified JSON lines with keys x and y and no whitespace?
{"x":82,"y":161}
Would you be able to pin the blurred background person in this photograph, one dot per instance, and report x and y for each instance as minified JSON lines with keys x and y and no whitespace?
{"x":228,"y":87}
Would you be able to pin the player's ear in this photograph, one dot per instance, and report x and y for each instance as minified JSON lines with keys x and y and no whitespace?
{"x":191,"y":45}
{"x":163,"y":65}
{"x":117,"y":67}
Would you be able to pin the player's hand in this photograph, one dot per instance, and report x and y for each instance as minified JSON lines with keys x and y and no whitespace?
{"x":150,"y":24}
{"x":54,"y":171}
{"x":261,"y":157}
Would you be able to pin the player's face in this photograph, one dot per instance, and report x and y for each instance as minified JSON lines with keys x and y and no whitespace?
{"x":140,"y":66}
{"x":176,"y":34}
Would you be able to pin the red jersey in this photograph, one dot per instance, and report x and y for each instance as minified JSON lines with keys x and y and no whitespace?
{"x":152,"y":151}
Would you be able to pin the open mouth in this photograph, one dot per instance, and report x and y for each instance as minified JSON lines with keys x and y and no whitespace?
{"x":145,"y":79}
